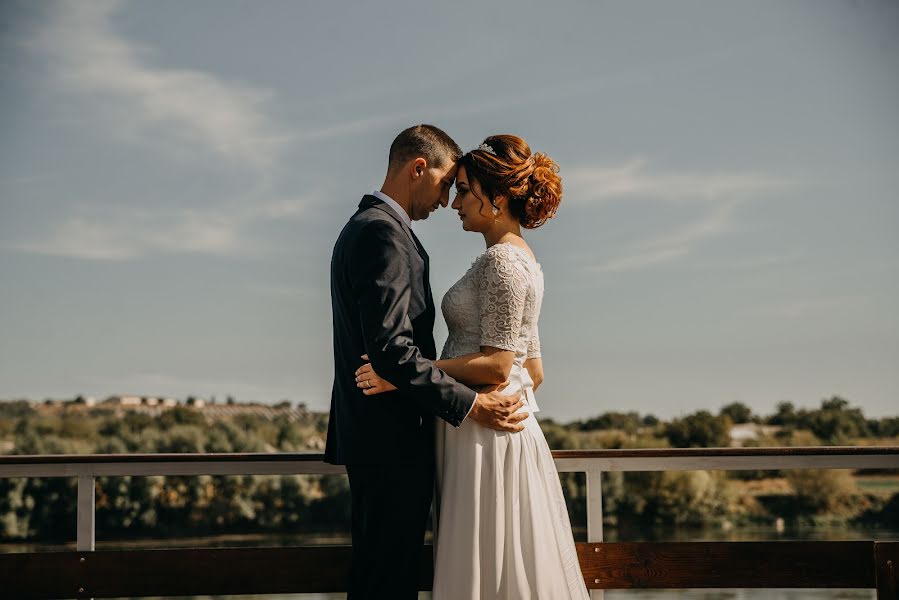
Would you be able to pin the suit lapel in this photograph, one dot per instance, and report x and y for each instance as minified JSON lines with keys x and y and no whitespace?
{"x":369,"y":201}
{"x":421,"y":249}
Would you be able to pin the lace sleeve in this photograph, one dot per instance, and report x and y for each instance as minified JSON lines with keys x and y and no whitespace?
{"x":502,"y":291}
{"x":534,"y":344}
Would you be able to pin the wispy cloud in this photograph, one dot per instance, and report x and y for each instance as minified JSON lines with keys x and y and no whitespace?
{"x":672,"y":69}
{"x":132,"y":234}
{"x":671,"y":246}
{"x":280,"y":208}
{"x":172,"y":105}
{"x":126,"y":233}
{"x":181,"y":111}
{"x":633,"y":180}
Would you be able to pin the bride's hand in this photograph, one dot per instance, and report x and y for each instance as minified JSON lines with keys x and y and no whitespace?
{"x":370,"y":382}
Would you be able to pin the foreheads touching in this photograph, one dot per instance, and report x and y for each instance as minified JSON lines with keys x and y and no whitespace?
{"x":421,"y":169}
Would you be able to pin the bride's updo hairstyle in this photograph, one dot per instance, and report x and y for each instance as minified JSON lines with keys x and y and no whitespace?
{"x":504,"y":166}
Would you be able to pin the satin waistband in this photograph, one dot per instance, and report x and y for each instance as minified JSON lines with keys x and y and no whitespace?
{"x":522,"y":375}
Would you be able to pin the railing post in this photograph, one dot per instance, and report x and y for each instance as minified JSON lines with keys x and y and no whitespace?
{"x":594,"y":516}
{"x":85,"y":528}
{"x":886,"y":568}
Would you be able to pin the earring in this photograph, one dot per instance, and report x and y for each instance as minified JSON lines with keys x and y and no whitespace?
{"x":495,"y":211}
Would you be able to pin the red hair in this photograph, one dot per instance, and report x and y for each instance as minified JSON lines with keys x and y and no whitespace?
{"x":531,"y":182}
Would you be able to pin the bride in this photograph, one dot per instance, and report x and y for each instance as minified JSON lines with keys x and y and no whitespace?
{"x":502,"y":528}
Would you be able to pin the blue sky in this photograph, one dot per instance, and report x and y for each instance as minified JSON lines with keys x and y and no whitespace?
{"x":173,"y":176}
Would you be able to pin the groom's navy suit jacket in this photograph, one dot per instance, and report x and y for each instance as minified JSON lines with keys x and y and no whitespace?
{"x":382,"y":306}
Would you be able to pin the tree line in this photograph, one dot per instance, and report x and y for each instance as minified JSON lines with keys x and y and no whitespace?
{"x":44,"y":508}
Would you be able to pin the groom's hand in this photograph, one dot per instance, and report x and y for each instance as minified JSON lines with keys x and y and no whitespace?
{"x":497,"y":411}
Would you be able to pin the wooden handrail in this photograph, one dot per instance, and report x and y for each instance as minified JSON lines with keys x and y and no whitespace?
{"x":15,"y":459}
{"x":272,"y":570}
{"x":585,"y":461}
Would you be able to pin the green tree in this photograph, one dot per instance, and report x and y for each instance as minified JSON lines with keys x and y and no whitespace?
{"x":16,"y":409}
{"x":181,"y":415}
{"x":628,"y":422}
{"x":182,"y":439}
{"x":888,"y":427}
{"x":699,"y":430}
{"x":737,"y":412}
{"x":785,"y":415}
{"x":650,"y":420}
{"x":836,"y":422}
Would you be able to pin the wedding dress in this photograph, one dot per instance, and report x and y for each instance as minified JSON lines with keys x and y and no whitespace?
{"x":502,"y":528}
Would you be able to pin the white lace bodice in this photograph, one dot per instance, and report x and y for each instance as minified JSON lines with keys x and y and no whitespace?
{"x":495,"y":303}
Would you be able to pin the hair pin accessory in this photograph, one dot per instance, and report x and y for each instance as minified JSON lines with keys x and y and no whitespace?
{"x":487,"y":148}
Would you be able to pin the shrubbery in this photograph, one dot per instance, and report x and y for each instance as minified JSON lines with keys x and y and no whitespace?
{"x":821,"y":490}
{"x":44,"y":508}
{"x":180,"y":505}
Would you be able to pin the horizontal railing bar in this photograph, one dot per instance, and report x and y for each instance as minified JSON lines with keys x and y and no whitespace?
{"x":173,"y":468}
{"x":677,"y":565}
{"x":591,"y":453}
{"x":726,"y":463}
{"x":265,"y":463}
{"x":297,"y":569}
{"x":754,"y":451}
{"x":186,"y":457}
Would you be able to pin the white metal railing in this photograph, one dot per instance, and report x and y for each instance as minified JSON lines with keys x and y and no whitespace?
{"x":591,"y":462}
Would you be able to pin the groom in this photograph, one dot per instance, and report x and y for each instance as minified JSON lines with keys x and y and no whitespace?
{"x":382,"y":306}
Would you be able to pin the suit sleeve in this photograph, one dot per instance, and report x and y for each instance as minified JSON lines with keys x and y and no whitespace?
{"x":379,"y":272}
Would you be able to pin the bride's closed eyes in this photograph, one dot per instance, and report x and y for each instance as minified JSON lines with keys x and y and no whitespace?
{"x":461,"y":189}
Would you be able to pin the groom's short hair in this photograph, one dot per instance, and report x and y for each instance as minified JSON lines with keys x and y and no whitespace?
{"x":429,"y":142}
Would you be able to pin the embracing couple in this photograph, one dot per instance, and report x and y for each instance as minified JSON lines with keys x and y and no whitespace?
{"x":501,"y":527}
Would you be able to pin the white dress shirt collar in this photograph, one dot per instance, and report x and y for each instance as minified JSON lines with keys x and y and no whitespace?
{"x":393,"y":204}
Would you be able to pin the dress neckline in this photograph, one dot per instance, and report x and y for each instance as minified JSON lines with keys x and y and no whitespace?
{"x":520,"y":249}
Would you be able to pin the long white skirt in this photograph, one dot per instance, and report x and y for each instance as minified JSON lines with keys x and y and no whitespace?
{"x":502,"y":529}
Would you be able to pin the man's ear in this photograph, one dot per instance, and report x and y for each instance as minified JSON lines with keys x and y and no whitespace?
{"x":417,"y":167}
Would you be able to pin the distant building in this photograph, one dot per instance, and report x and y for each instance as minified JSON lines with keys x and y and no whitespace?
{"x":85,"y":400}
{"x":124,"y":400}
{"x":196,"y":402}
{"x":744,"y":432}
